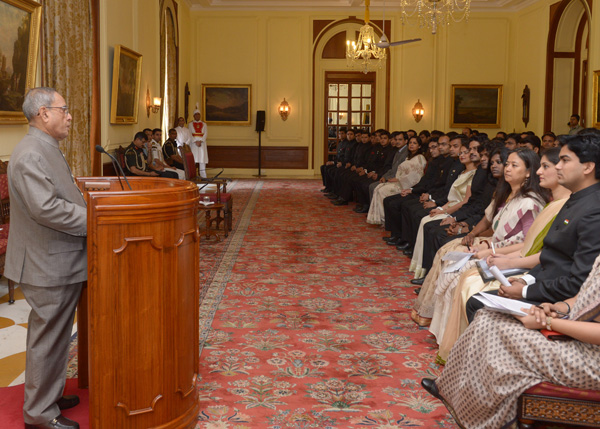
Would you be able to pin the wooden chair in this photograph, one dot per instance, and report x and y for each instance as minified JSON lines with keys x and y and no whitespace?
{"x":4,"y":226}
{"x":550,"y":403}
{"x":218,"y":196}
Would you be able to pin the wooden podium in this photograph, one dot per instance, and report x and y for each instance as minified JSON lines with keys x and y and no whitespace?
{"x":138,"y":317}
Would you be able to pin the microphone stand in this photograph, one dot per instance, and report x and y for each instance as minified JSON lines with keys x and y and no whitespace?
{"x":116,"y":166}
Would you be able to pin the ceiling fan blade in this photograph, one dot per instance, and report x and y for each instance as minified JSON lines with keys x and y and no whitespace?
{"x":403,"y":42}
{"x":383,"y":44}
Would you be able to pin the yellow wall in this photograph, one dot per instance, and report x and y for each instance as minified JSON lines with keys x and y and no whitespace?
{"x":273,"y":52}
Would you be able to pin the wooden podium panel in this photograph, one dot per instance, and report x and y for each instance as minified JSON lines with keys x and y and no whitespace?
{"x":142,"y":303}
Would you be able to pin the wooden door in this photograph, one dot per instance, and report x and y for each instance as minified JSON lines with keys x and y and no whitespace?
{"x":349,"y":103}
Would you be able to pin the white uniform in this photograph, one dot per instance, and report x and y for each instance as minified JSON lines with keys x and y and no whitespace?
{"x":199,"y":134}
{"x":158,"y":154}
{"x":184,"y":136}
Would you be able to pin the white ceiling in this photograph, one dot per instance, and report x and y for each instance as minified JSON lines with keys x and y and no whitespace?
{"x":352,"y":6}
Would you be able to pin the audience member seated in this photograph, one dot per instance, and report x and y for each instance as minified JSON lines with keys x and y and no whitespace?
{"x":549,"y":140}
{"x":411,"y":214}
{"x":517,"y":201}
{"x":512,"y":141}
{"x":136,"y":161}
{"x":381,"y":164}
{"x":531,"y":142}
{"x":573,"y":242}
{"x":344,"y":172}
{"x":459,"y":194}
{"x":435,"y":178}
{"x":399,"y":139}
{"x":407,"y":174}
{"x":339,"y":156}
{"x":524,"y":255}
{"x":170,"y":151}
{"x":500,"y":356}
{"x":156,"y":159}
{"x":438,"y":233}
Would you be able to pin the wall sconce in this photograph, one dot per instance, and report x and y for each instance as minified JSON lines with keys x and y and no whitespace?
{"x":154,"y":106}
{"x":418,"y":111}
{"x":284,"y":110}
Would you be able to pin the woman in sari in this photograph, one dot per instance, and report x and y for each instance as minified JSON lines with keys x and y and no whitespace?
{"x":523,"y":255}
{"x":423,"y":309}
{"x":407,"y":175}
{"x":517,"y":201}
{"x":459,"y":194}
{"x":500,"y":356}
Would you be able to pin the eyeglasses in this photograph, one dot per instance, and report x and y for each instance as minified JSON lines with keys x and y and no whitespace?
{"x":65,"y":109}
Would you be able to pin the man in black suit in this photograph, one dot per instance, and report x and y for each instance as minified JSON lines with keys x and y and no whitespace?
{"x":572,"y":243}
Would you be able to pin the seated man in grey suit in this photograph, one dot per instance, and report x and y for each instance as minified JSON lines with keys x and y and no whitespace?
{"x":47,"y":253}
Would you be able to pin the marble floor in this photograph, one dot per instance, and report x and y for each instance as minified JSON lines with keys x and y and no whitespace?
{"x":13,"y":333}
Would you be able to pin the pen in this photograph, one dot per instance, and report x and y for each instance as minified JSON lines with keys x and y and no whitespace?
{"x":493,"y":250}
{"x":560,"y":313}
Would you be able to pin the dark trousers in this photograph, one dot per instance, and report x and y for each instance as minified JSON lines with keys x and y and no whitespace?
{"x":411,"y":216}
{"x":392,"y":207}
{"x":434,"y":238}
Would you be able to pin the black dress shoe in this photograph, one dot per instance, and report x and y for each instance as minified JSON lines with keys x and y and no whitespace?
{"x":358,"y":208}
{"x":407,"y":252}
{"x":340,"y":202}
{"x":60,"y":422}
{"x":418,"y":281}
{"x":325,"y":190}
{"x":402,"y":245}
{"x":393,"y":242}
{"x":331,"y":196}
{"x":388,"y":239}
{"x":429,"y":385}
{"x":417,"y":291}
{"x":364,"y":209}
{"x":67,"y":402}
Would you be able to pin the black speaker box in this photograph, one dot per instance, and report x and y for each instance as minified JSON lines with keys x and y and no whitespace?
{"x":260,"y":120}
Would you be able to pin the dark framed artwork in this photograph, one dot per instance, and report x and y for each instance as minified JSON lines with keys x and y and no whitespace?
{"x":226,"y":104}
{"x":596,"y":100}
{"x":476,"y":106}
{"x":19,"y":44}
{"x":127,"y":72}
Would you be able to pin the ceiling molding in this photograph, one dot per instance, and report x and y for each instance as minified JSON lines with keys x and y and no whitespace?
{"x":348,"y":6}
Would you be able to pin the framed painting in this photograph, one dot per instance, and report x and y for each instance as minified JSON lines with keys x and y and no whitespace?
{"x":226,"y":104}
{"x":127,"y":72}
{"x":477,"y":106}
{"x":596,"y":101}
{"x":19,"y":44}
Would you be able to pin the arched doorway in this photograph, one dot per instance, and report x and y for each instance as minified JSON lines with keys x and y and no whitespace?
{"x":567,"y":65}
{"x":332,"y":77}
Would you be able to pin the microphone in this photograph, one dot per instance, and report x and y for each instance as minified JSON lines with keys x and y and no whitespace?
{"x":116,"y":165}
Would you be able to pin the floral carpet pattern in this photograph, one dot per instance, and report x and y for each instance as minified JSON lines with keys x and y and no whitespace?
{"x":305,"y":320}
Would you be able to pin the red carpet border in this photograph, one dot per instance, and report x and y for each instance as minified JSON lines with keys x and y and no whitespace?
{"x":312,"y":328}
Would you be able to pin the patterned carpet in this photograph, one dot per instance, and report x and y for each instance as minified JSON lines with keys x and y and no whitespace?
{"x":306,"y":320}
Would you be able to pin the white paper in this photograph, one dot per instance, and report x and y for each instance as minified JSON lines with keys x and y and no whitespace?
{"x":457,"y":265}
{"x":499,"y":276}
{"x":503,"y":305}
{"x":456,"y":256}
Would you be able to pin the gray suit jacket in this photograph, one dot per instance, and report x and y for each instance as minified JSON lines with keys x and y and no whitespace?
{"x":399,"y":158}
{"x":48,"y":219}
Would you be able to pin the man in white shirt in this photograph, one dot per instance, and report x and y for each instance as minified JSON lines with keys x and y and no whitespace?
{"x":156,"y":158}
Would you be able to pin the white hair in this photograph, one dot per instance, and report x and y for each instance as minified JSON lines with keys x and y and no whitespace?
{"x":35,"y":99}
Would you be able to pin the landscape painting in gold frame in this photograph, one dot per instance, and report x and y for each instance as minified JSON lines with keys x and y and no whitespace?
{"x":127,"y":72}
{"x":20,"y":28}
{"x":476,"y":106}
{"x":226,"y":104}
{"x":596,"y":98}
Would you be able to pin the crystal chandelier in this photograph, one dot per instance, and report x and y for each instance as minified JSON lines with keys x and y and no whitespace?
{"x":432,"y":13}
{"x":364,"y":51}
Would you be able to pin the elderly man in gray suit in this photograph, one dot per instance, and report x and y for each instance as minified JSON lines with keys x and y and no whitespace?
{"x":46,"y":253}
